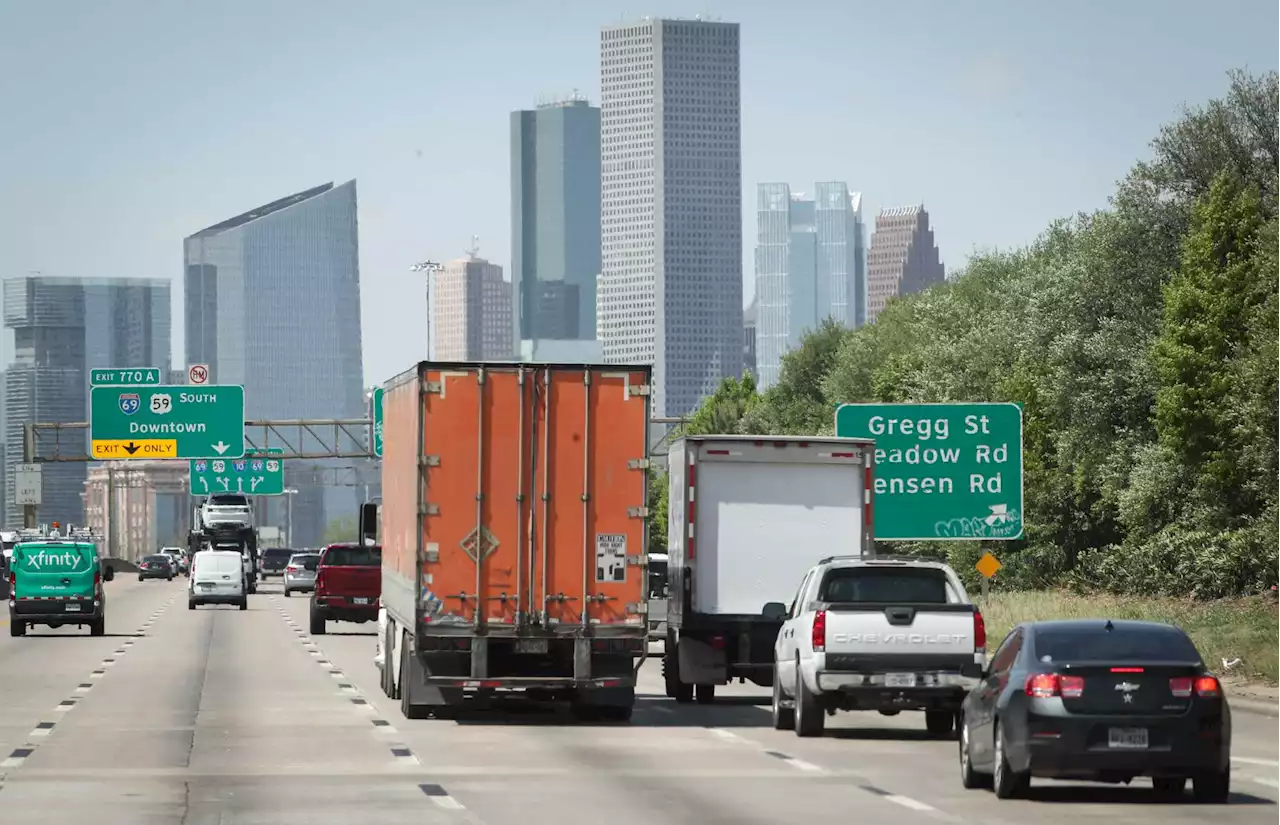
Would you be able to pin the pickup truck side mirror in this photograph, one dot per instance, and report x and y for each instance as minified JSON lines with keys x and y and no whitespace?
{"x":774,"y":610}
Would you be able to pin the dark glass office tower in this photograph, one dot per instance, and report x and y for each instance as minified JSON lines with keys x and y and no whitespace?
{"x":273,"y":304}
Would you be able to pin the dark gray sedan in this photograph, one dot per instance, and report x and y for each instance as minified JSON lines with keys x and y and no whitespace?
{"x":1097,"y":700}
{"x":159,"y":566}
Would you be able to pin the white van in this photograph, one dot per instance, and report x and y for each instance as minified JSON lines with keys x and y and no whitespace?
{"x":217,"y":577}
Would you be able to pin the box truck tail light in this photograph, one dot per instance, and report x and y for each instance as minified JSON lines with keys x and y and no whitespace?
{"x":868,"y":503}
{"x":819,"y":639}
{"x":691,"y":482}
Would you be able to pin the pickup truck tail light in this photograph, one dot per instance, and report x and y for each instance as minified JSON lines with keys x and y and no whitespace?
{"x":320,"y":580}
{"x":1046,"y":685}
{"x":292,"y":568}
{"x":979,"y":631}
{"x":819,"y":639}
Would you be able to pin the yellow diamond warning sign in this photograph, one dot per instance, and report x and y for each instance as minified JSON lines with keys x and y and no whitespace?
{"x":988,"y":565}
{"x":141,"y":448}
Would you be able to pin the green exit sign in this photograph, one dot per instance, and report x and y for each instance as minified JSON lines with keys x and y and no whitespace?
{"x":124,"y":377}
{"x":258,"y":473}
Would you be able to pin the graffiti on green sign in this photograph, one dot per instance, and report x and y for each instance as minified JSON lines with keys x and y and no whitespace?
{"x":942,"y":471}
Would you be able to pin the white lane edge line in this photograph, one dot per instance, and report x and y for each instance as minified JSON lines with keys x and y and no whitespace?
{"x":1270,"y":763}
{"x":448,"y":803}
{"x":908,"y":802}
{"x":726,"y":735}
{"x":1270,"y":783}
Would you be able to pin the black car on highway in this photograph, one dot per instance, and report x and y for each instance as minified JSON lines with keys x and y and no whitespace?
{"x":159,"y":566}
{"x":1097,"y":700}
{"x":273,"y":560}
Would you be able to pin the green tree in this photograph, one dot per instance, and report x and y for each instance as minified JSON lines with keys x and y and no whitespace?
{"x":721,"y":413}
{"x":658,"y":500}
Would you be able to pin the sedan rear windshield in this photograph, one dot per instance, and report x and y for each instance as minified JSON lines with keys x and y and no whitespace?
{"x":889,"y":585}
{"x":353,"y":557}
{"x":157,"y":559}
{"x":1121,"y":644}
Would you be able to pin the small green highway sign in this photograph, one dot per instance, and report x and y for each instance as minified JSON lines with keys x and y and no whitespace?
{"x":942,"y":471}
{"x":166,"y":421}
{"x":136,"y":376}
{"x":375,"y":414}
{"x":258,"y":473}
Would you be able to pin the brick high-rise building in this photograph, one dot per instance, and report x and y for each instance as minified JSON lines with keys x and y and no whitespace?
{"x":903,"y":257}
{"x":472,"y":312}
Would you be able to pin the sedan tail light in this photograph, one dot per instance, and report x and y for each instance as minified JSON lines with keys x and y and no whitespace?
{"x":1205,"y":686}
{"x":1046,"y":685}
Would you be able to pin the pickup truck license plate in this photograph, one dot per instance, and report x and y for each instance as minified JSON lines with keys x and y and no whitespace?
{"x":900,"y":680}
{"x":360,"y":600}
{"x":73,"y":607}
{"x":531,"y":646}
{"x":1128,"y":738}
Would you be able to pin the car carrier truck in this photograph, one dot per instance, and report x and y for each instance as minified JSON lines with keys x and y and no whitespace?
{"x":748,"y":517}
{"x":513,"y":533}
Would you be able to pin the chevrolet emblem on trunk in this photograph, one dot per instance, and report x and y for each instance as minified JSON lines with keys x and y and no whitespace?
{"x":1128,"y":688}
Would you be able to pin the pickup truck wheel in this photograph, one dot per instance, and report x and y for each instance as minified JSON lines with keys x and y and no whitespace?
{"x":809,"y":718}
{"x":244,"y":603}
{"x":938,"y":722}
{"x":317,"y":621}
{"x":783,"y":718}
{"x":706,"y":694}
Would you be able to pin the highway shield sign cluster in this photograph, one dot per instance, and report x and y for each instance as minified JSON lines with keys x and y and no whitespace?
{"x":258,"y":473}
{"x":942,"y":471}
{"x":166,"y":421}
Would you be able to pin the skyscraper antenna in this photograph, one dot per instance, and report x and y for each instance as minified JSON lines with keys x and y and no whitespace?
{"x":474,"y":249}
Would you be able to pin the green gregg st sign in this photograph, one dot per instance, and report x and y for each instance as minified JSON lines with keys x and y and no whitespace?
{"x":942,"y":471}
{"x":259,"y":473}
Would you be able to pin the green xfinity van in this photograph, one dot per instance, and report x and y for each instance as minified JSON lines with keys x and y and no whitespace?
{"x":55,"y":581}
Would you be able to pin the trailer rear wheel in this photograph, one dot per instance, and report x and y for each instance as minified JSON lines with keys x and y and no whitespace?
{"x":407,"y":708}
{"x":676,"y":689}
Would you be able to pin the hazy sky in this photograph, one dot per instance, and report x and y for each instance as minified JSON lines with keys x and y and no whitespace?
{"x":129,"y":125}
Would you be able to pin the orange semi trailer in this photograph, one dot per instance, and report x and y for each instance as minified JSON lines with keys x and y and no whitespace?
{"x":514,"y":531}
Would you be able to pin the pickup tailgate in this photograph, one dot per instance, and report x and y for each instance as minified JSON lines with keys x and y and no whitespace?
{"x":354,"y":573}
{"x":895,"y":611}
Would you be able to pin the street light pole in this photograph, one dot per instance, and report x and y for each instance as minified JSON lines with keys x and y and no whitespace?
{"x":431,"y":268}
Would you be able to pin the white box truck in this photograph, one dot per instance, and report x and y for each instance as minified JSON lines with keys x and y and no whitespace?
{"x":748,"y":516}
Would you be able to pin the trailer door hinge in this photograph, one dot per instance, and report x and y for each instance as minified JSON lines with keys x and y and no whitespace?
{"x":429,"y":510}
{"x":639,"y":464}
{"x":429,"y":461}
{"x":641,"y":609}
{"x":433,"y":386}
{"x":637,"y":512}
{"x":638,"y":561}
{"x":638,"y":389}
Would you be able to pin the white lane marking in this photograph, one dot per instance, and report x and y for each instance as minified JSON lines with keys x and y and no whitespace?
{"x":661,"y":709}
{"x":1270,"y":783}
{"x":448,"y":803}
{"x":908,"y":802}
{"x":805,"y":766}
{"x":13,"y":761}
{"x":41,"y":731}
{"x":1271,"y":763}
{"x":726,"y":735}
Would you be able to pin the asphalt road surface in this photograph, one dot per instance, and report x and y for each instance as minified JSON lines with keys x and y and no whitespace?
{"x":222,"y":716}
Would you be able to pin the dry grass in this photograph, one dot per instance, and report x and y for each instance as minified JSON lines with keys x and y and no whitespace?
{"x":1228,"y":629}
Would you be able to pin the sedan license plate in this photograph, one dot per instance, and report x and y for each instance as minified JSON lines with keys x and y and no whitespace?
{"x":900,"y":680}
{"x":73,"y":608}
{"x":360,"y":600}
{"x":531,"y":646}
{"x":1127,"y":738}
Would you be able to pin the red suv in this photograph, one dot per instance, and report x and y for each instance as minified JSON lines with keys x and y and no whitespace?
{"x":348,"y":585}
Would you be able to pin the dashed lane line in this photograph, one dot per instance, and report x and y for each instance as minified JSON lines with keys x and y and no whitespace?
{"x":18,"y":756}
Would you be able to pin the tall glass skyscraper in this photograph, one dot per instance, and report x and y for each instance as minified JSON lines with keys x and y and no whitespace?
{"x":670,"y":290}
{"x":811,"y":265}
{"x":62,"y":328}
{"x":555,"y":220}
{"x":273,"y":304}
